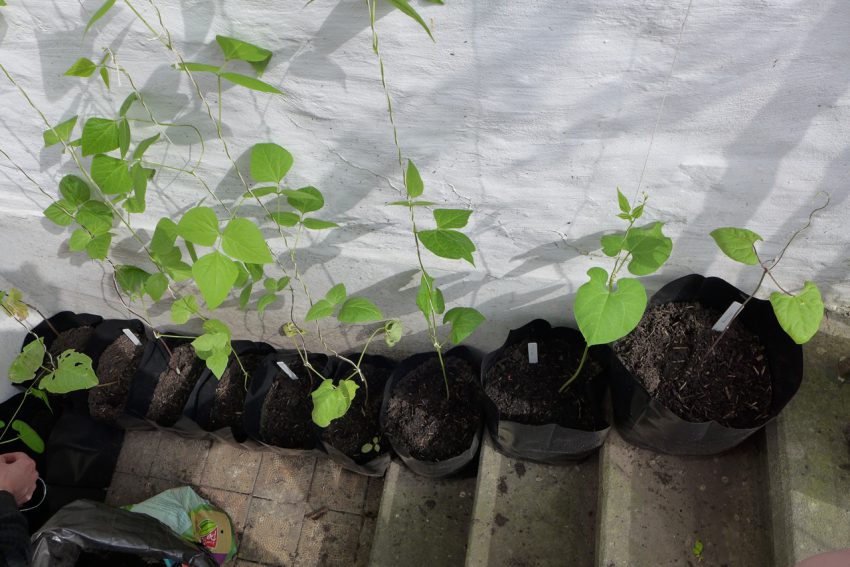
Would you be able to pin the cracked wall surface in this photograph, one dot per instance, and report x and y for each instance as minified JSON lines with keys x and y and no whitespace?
{"x":530,"y":113}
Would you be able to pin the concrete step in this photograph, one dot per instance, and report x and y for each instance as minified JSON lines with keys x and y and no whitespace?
{"x":808,"y":453}
{"x":422,"y":521}
{"x":532,"y":514}
{"x":654,"y":508}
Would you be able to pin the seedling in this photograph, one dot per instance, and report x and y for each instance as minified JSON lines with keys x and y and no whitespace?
{"x":42,"y":373}
{"x":698,"y":549}
{"x":445,"y":241}
{"x":607,"y":309}
{"x":799,"y":314}
{"x":375,"y":446}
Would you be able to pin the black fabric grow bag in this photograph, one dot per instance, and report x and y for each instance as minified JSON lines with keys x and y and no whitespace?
{"x":261,"y":384}
{"x":647,"y":423}
{"x":451,"y":465}
{"x":548,"y":443}
{"x":374,"y":465}
{"x":197,"y":415}
{"x":62,"y":321}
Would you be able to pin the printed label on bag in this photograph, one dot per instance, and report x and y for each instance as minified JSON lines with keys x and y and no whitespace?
{"x":132,"y":336}
{"x":287,"y":370}
{"x":532,"y":353}
{"x":727,"y":317}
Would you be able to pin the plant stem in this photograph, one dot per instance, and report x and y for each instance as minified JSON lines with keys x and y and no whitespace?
{"x":578,"y":370}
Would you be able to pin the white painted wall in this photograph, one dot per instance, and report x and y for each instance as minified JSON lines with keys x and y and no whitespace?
{"x":530,"y":112}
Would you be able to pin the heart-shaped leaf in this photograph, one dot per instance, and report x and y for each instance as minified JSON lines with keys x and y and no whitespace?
{"x":603,"y":315}
{"x":737,"y":243}
{"x":799,"y":315}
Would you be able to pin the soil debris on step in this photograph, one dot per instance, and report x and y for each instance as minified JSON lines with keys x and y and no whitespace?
{"x":115,"y":369}
{"x":669,"y":354}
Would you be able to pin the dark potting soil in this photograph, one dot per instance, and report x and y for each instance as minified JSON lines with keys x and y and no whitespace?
{"x":528,"y":393}
{"x":72,"y":339}
{"x":668,"y":353}
{"x":115,"y":369}
{"x":286,"y":418}
{"x":431,"y":426}
{"x":229,"y":402}
{"x":175,"y":385}
{"x":361,"y":423}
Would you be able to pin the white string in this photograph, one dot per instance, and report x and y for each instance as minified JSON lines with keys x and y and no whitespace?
{"x":43,"y":496}
{"x":663,"y":99}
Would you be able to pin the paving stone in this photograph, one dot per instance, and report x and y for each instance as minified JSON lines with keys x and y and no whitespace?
{"x":235,"y":504}
{"x":367,"y":533}
{"x":808,"y":453}
{"x":521,"y":508}
{"x":422,"y":521}
{"x":284,"y":479}
{"x":156,"y":485}
{"x":330,"y":540}
{"x":180,"y":459}
{"x":231,"y":468}
{"x":244,"y":563}
{"x":127,"y":489}
{"x":272,"y":531}
{"x":337,"y":488}
{"x":653,"y":507}
{"x":138,"y":452}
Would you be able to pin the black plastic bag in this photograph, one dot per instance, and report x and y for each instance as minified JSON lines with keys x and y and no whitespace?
{"x":549,"y":443}
{"x":647,"y":423}
{"x":261,"y":384}
{"x":369,"y":466}
{"x":454,"y":464}
{"x":90,"y":527}
{"x":197,"y":414}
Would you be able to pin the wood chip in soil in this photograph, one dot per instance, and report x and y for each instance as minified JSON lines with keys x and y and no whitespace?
{"x":669,"y":354}
{"x":430,"y":425}
{"x":174,"y":385}
{"x":115,"y":369}
{"x":361,"y":423}
{"x":528,"y":393}
{"x":286,"y":419}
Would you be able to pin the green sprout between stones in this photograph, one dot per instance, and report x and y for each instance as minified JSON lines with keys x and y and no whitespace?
{"x":698,"y":549}
{"x":799,"y":314}
{"x":375,"y":446}
{"x":607,"y":308}
{"x":40,"y":373}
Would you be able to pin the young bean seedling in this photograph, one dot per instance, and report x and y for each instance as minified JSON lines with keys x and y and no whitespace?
{"x":607,"y":308}
{"x":799,"y":314}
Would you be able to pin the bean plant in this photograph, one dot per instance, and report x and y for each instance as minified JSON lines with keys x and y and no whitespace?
{"x":799,"y":314}
{"x":40,"y":372}
{"x":608,"y":308}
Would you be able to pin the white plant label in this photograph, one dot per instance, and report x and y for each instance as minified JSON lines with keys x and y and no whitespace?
{"x":532,"y":353}
{"x":287,"y":370}
{"x":132,"y":336}
{"x":726,"y":318}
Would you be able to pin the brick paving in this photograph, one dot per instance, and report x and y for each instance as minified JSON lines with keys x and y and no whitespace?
{"x":287,"y":511}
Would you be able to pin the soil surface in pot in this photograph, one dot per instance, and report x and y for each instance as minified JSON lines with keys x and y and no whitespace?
{"x":175,"y":385}
{"x":286,"y":419}
{"x":229,"y":401}
{"x":668,"y":354}
{"x":528,"y":393}
{"x":72,"y":339}
{"x":419,"y":415}
{"x":115,"y":369}
{"x":361,"y":423}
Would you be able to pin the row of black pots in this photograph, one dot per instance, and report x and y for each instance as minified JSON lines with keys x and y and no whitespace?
{"x":639,"y":418}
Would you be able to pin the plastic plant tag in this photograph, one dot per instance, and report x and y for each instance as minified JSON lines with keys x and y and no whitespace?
{"x":532,"y":353}
{"x":282,"y":365}
{"x":132,"y":336}
{"x":727,"y":317}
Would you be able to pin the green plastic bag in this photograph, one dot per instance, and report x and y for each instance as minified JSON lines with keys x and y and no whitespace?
{"x":192,"y":518}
